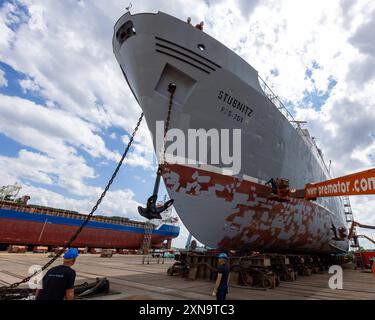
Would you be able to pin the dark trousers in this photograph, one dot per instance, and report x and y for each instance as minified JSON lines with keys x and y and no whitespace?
{"x":221,"y":295}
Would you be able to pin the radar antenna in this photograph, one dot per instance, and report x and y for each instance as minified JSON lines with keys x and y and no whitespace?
{"x":129,"y":7}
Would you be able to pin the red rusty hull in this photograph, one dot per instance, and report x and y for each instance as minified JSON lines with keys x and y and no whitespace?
{"x":22,"y":232}
{"x":232,"y":213}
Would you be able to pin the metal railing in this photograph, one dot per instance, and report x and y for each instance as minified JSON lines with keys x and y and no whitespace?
{"x":274,"y":98}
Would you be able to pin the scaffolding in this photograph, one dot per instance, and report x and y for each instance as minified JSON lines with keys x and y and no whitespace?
{"x":146,"y":244}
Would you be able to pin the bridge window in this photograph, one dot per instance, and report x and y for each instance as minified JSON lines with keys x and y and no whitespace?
{"x":126,"y":31}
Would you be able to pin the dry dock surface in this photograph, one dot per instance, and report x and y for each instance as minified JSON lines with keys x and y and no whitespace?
{"x":131,"y":280}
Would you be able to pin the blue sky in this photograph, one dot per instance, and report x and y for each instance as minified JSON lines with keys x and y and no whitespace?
{"x":65,"y":109}
{"x":129,"y":177}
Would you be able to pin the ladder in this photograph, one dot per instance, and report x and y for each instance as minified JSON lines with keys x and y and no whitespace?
{"x":348,"y":210}
{"x":349,"y":219}
{"x":354,"y":243}
{"x":146,"y":244}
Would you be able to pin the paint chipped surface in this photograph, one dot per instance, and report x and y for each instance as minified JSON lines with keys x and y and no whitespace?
{"x":228,"y":212}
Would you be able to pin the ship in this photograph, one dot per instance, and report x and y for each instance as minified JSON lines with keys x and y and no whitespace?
{"x":34,"y":225}
{"x":217,"y":89}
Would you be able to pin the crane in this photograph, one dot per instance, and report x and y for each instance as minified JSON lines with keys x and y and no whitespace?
{"x":359,"y":183}
{"x":366,"y":237}
{"x":360,"y":225}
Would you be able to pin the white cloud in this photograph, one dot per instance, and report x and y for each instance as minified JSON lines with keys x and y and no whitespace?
{"x":247,"y":6}
{"x":116,"y":203}
{"x":143,"y":153}
{"x":6,"y":34}
{"x":363,"y":37}
{"x":71,"y":61}
{"x":29,"y":85}
{"x":69,"y":172}
{"x":3,"y":80}
{"x":49,"y":130}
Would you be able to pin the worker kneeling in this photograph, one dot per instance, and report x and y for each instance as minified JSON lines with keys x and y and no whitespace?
{"x":221,"y":285}
{"x":58,"y":283}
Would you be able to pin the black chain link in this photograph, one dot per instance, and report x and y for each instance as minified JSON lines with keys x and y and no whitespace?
{"x":59,"y":253}
{"x":172,"y":89}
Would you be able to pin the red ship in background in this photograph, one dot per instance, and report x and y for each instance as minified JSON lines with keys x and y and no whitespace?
{"x":33,"y":225}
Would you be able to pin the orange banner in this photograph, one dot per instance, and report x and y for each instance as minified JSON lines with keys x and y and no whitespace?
{"x":354,"y":184}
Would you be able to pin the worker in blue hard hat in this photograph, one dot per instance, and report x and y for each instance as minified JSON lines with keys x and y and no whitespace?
{"x":58,"y":283}
{"x":222,"y":280}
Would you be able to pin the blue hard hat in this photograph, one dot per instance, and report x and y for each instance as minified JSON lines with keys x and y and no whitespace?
{"x":71,"y":253}
{"x":223,"y":256}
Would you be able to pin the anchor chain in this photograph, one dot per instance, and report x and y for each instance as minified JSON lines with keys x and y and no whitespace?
{"x":172,"y":89}
{"x":3,"y":290}
{"x":152,"y":211}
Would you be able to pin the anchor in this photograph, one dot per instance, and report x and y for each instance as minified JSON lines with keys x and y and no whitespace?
{"x":152,"y":211}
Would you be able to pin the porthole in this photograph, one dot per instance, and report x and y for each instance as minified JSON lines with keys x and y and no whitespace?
{"x":201,"y":47}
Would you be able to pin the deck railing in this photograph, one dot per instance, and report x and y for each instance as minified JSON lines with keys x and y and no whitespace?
{"x":274,"y":98}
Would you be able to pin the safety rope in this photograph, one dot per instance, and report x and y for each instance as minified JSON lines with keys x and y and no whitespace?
{"x":60,"y":252}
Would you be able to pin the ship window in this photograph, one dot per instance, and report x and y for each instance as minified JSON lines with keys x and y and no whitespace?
{"x":126,"y":31}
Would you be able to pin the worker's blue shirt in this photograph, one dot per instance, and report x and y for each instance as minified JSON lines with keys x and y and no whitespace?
{"x":224,"y":271}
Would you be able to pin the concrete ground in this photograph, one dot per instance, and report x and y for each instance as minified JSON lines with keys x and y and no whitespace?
{"x":131,"y":280}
